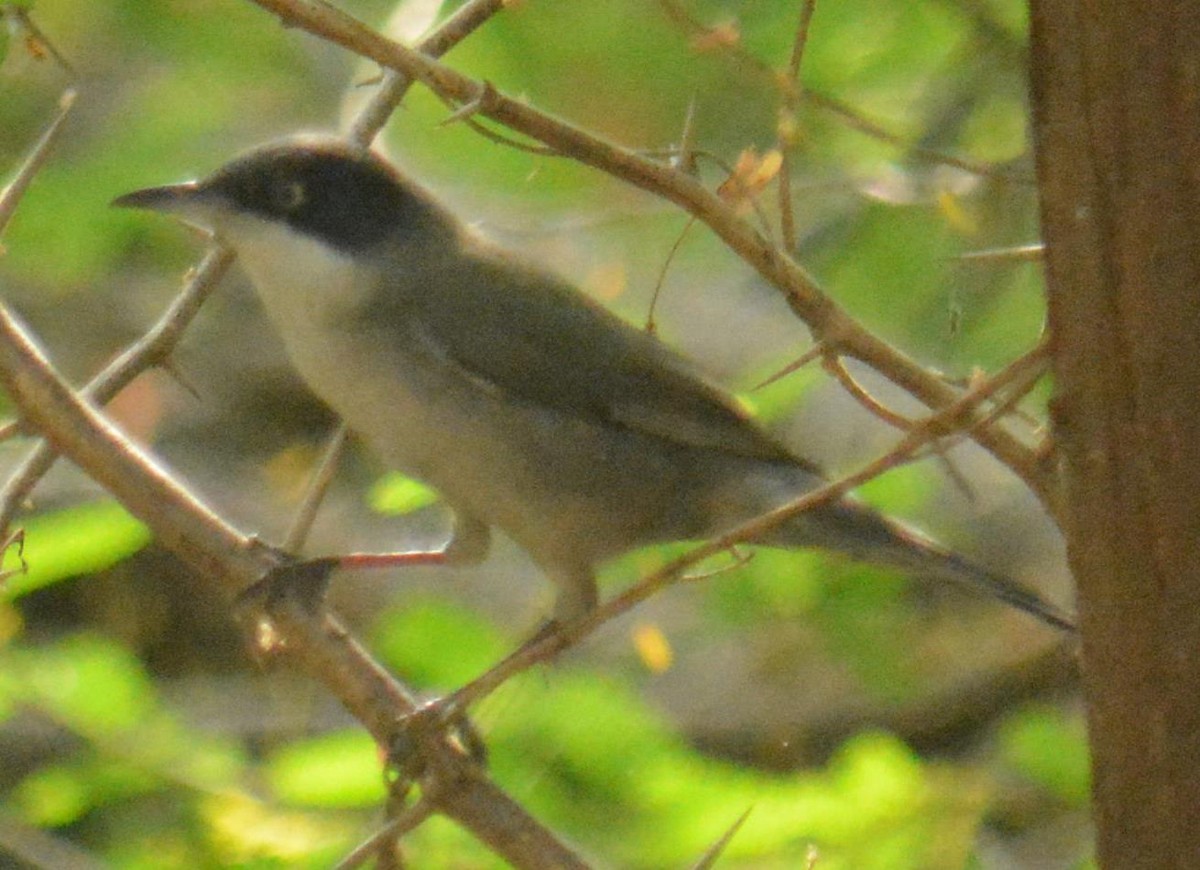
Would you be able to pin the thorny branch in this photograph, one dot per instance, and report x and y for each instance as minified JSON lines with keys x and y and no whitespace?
{"x":716,"y":38}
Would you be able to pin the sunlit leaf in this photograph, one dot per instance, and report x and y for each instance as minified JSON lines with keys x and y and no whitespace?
{"x":341,"y":769}
{"x":73,"y":541}
{"x":1050,"y":748}
{"x":395,"y":493}
{"x":252,"y":833}
{"x":653,"y":647}
{"x":435,"y":643}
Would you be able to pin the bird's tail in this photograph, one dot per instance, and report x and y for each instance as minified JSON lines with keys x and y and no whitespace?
{"x":861,"y":533}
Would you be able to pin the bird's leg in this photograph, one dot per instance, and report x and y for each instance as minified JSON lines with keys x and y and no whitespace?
{"x":308,"y":579}
{"x":468,"y":545}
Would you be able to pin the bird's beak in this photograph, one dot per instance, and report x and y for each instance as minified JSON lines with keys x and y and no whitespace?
{"x":171,"y":198}
{"x":190,"y":202}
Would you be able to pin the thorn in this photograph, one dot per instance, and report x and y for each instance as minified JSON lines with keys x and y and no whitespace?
{"x":709,"y":858}
{"x":739,"y":556}
{"x":685,"y":158}
{"x":480,"y":103}
{"x":800,"y":362}
{"x":18,"y":538}
{"x":1021,"y":253}
{"x":168,"y":366}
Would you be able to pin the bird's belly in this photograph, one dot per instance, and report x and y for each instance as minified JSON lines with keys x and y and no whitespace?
{"x":569,"y":490}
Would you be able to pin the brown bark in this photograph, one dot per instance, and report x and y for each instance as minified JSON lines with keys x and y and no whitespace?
{"x":1116,"y":93}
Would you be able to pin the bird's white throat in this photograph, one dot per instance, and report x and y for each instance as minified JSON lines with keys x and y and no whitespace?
{"x":303,"y":282}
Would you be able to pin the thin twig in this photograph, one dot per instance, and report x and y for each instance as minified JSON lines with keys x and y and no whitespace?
{"x":314,"y":493}
{"x":815,"y":352}
{"x":395,"y":829}
{"x":20,"y":14}
{"x":801,"y":41}
{"x":860,"y":122}
{"x":395,"y":84}
{"x":1017,"y":391}
{"x":855,"y":119}
{"x":12,"y":193}
{"x":786,"y":136}
{"x":143,"y":354}
{"x":834,"y":365}
{"x":651,"y":325}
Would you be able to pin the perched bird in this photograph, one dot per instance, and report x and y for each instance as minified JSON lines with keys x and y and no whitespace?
{"x":527,"y":406}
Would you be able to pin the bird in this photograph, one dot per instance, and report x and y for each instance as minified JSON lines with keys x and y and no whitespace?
{"x":529,"y":407}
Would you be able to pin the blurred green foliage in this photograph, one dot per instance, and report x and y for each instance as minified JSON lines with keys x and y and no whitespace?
{"x":1048,"y":746}
{"x":97,"y":755}
{"x":67,"y":543}
{"x":394,"y":493}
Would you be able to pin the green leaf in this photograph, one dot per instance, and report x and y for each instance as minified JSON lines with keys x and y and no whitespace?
{"x":77,"y":540}
{"x":341,"y":769}
{"x":1049,"y":747}
{"x":435,"y":643}
{"x":396,"y":494}
{"x":60,"y":794}
{"x":89,"y":682}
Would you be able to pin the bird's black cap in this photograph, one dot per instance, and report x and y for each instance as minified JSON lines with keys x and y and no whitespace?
{"x":324,"y":187}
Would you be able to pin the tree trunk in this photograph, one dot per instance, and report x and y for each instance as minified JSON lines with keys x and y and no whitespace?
{"x":1116,"y":105}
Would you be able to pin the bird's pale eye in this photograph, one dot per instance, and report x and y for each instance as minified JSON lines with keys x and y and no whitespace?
{"x":288,"y":194}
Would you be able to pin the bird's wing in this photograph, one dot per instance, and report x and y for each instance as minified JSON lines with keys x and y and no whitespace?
{"x":534,"y":337}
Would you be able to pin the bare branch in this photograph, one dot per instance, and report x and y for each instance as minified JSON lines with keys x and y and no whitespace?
{"x":786,"y":134}
{"x":11,"y":195}
{"x":837,"y":368}
{"x":389,"y":833}
{"x":152,"y":348}
{"x":314,"y":493}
